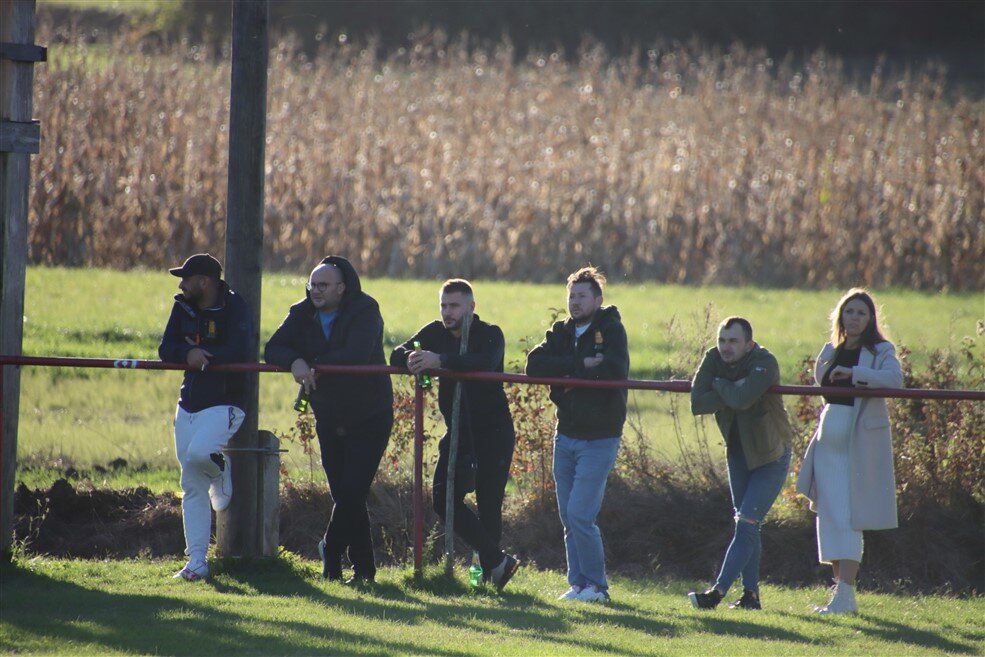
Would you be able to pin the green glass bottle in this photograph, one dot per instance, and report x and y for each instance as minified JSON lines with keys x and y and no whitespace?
{"x":301,"y":403}
{"x":423,"y":380}
{"x":475,"y":571}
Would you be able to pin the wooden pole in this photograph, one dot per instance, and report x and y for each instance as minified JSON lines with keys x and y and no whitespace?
{"x":239,"y":530}
{"x":19,"y":137}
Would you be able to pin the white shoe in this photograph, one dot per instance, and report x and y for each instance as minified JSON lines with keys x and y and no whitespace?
{"x":842,"y":601}
{"x":593,"y":593}
{"x":570,"y":594}
{"x":221,"y":487}
{"x":193,"y":571}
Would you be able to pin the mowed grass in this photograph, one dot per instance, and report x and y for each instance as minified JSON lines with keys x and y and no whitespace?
{"x":90,"y":417}
{"x":282,"y":607}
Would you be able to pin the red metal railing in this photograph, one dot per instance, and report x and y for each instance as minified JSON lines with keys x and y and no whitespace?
{"x":632,"y":384}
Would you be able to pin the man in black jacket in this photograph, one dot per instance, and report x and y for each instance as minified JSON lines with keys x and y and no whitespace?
{"x":209,"y":325}
{"x":486,"y":435}
{"x":339,"y":324}
{"x":590,"y":344}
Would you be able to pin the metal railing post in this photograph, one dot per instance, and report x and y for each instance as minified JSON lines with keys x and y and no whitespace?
{"x":418,"y":477}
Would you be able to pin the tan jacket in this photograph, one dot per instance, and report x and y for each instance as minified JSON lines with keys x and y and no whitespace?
{"x":873,"y":481}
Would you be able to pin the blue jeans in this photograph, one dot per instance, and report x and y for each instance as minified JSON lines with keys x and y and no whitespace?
{"x":753,"y":493}
{"x":581,"y":468}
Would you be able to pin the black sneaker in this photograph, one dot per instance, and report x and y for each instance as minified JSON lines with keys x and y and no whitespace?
{"x":749,"y":600}
{"x":502,"y":573}
{"x":327,"y":571}
{"x":707,"y":600}
{"x":360,"y":580}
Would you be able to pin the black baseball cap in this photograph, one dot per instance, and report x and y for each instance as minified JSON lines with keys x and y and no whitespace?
{"x":200,"y":264}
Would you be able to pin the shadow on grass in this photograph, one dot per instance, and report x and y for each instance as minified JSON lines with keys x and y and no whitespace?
{"x":466,"y":608}
{"x":749,"y":629}
{"x":896,"y":633}
{"x":56,"y":614}
{"x":899,"y":633}
{"x":45,"y":613}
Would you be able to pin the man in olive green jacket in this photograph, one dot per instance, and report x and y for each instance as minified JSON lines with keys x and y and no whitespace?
{"x":732,"y":383}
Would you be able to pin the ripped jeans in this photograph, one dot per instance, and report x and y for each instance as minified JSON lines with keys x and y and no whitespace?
{"x":753,"y":493}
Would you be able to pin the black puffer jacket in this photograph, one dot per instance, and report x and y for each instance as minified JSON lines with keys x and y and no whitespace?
{"x":585,"y":413}
{"x":342,"y":400}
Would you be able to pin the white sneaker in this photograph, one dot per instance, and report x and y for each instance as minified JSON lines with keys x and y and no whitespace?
{"x":592,"y":593}
{"x":193,"y":571}
{"x":221,"y":487}
{"x":570,"y":594}
{"x":842,"y":601}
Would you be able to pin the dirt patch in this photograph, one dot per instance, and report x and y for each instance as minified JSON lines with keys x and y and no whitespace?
{"x":662,"y":531}
{"x":63,"y":521}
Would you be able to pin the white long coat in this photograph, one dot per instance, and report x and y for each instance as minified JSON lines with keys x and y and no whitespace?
{"x":873,"y":480}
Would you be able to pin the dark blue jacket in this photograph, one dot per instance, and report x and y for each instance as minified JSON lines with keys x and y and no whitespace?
{"x":585,"y":413}
{"x":225,"y":332}
{"x":341,"y":400}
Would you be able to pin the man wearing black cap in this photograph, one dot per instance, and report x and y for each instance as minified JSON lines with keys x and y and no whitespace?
{"x":209,"y":325}
{"x":339,"y":324}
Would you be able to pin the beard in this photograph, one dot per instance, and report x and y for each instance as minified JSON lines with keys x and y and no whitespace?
{"x":193,"y":296}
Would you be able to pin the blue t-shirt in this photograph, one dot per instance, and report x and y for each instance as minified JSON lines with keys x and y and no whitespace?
{"x":327,"y":319}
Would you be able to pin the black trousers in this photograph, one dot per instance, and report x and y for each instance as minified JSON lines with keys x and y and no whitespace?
{"x":351,"y":457}
{"x":493,"y":446}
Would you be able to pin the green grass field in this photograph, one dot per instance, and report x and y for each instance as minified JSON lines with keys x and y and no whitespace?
{"x":133,"y":607}
{"x":86,"y":418}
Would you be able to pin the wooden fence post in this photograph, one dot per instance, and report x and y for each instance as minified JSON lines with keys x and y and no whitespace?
{"x":20,"y":136}
{"x":238,"y":531}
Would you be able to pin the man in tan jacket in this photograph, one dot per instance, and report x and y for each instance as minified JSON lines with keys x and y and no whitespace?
{"x":732,"y":382}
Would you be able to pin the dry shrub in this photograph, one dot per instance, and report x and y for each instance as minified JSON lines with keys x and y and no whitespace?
{"x":939,"y":444}
{"x":687,"y":165}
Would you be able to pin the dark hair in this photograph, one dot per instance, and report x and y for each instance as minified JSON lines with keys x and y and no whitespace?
{"x":453,"y":285}
{"x":590,"y":275}
{"x":729,"y":322}
{"x":871,"y":336}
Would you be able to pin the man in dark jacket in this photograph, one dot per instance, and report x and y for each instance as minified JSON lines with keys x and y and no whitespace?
{"x":590,"y":344}
{"x":732,"y":382}
{"x":339,"y":324}
{"x":486,"y":435}
{"x":209,"y":325}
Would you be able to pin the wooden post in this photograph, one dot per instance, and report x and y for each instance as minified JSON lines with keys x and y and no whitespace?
{"x":238,"y":531}
{"x":19,"y":138}
{"x":453,"y":436}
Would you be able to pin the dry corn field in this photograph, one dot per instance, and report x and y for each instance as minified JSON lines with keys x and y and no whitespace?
{"x":679,"y":165}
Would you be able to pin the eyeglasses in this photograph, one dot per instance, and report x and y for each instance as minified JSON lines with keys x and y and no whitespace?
{"x":321,"y":287}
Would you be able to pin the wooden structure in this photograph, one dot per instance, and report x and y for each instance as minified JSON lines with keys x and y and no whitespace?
{"x":20,"y":137}
{"x":239,"y":529}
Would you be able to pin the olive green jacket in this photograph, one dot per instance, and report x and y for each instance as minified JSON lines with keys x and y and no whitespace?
{"x":739,"y":392}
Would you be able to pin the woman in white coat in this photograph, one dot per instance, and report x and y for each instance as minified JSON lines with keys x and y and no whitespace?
{"x":847,"y":471}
